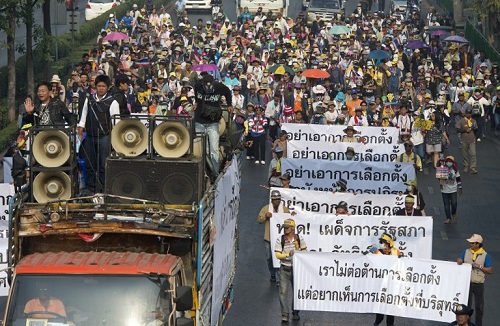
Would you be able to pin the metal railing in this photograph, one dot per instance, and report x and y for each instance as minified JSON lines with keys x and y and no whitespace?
{"x":479,"y":42}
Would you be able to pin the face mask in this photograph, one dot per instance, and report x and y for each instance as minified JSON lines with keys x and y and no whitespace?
{"x":349,"y":157}
{"x":409,"y":188}
{"x":449,"y":164}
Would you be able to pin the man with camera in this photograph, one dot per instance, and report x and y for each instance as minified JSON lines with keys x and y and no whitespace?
{"x":208,"y":112}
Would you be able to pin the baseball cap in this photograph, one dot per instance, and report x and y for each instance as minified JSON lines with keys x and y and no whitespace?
{"x":278,"y":149}
{"x":275,"y":194}
{"x":341,"y":204}
{"x":476,"y":238}
{"x":289,"y":223}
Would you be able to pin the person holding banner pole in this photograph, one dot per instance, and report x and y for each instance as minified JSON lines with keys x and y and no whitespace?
{"x":284,"y":249}
{"x":265,"y":215}
{"x":481,"y":265}
{"x":409,"y":209}
{"x":387,"y":242}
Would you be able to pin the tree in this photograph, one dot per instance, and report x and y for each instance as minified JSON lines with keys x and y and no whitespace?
{"x":26,"y":12}
{"x":8,"y":25}
{"x":487,"y":12}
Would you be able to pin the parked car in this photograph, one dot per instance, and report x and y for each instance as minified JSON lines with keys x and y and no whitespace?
{"x":95,"y":8}
{"x":326,"y":9}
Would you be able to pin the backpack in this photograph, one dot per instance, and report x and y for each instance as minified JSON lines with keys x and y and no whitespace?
{"x":297,"y":238}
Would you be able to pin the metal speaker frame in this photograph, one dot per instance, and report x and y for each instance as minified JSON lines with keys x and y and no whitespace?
{"x":52,"y":146}
{"x":130,"y":137}
{"x":53,"y":185}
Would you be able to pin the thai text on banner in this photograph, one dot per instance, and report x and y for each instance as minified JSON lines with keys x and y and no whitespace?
{"x":406,"y":287}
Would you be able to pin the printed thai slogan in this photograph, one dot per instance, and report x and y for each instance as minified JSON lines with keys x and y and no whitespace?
{"x":225,"y":219}
{"x":406,"y":287}
{"x":301,"y":135}
{"x":357,"y":234}
{"x":336,"y":151}
{"x":362,"y":177}
{"x":6,"y":193}
{"x":325,"y":202}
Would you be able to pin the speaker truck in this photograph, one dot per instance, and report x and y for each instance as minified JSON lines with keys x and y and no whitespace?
{"x":119,"y":262}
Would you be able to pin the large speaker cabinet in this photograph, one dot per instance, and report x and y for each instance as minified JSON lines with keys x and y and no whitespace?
{"x":53,"y":165}
{"x":170,"y":181}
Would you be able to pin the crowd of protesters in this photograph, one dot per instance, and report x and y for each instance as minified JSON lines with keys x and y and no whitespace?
{"x":379,"y":69}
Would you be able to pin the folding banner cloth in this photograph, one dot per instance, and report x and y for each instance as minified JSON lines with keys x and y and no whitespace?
{"x":302,"y":134}
{"x":6,"y":193}
{"x":357,"y":234}
{"x":324,"y":202}
{"x":407,"y":287}
{"x":336,"y":151}
{"x":362,"y":177}
{"x":225,"y":220}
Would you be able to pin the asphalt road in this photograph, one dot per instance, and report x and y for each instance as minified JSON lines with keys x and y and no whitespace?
{"x":256,"y":300}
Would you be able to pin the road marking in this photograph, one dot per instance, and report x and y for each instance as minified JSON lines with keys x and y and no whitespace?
{"x":436,"y":211}
{"x":431,"y":190}
{"x":444,"y":236}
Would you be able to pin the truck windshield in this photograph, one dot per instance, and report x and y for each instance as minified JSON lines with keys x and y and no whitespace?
{"x":85,"y":300}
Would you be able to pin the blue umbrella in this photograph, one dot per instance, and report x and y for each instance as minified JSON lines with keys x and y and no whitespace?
{"x":378,"y":55}
{"x":456,"y":38}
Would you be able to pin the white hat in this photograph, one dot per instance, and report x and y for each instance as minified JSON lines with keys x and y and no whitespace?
{"x":55,"y":79}
{"x":476,"y":238}
{"x":111,"y":15}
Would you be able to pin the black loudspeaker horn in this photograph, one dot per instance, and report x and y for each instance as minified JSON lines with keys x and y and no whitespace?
{"x":171,"y":139}
{"x":130,"y":137}
{"x":52,"y":185}
{"x":174,"y":181}
{"x":51,"y":148}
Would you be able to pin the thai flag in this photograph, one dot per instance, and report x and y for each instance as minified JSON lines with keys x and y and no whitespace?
{"x":142,"y":62}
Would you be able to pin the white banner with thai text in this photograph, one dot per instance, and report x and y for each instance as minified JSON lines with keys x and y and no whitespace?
{"x":225,"y":220}
{"x":6,"y":193}
{"x":357,"y":234}
{"x":336,"y":151}
{"x":324,"y":202}
{"x":413,"y":288}
{"x":303,"y":134}
{"x":361,"y":177}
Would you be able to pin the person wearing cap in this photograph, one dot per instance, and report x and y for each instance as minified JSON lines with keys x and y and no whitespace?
{"x":284,"y":249}
{"x":434,"y":138}
{"x":273,"y":110}
{"x":286,"y":179}
{"x":342,"y":208}
{"x":341,"y":186}
{"x":466,"y":127}
{"x":409,"y":156}
{"x":257,"y":128}
{"x":387,"y":241}
{"x":354,"y":103}
{"x":450,"y":187}
{"x":349,"y":135}
{"x":275,"y":168}
{"x":479,"y":102}
{"x":463,"y":314}
{"x":411,"y":189}
{"x":122,"y":86}
{"x":264,"y":217}
{"x":409,"y":209}
{"x":481,"y":265}
{"x":208,"y":113}
{"x":282,"y":142}
{"x":350,"y":154}
{"x":359,"y":119}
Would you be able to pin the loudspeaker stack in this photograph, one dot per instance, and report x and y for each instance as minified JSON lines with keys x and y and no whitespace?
{"x":53,"y":164}
{"x":154,"y":159}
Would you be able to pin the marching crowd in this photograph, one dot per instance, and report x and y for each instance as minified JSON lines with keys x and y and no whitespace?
{"x":359,"y":69}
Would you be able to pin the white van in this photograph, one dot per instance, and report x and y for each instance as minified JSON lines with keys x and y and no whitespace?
{"x":198,"y":4}
{"x":274,"y":5}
